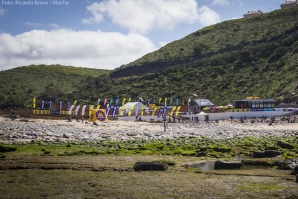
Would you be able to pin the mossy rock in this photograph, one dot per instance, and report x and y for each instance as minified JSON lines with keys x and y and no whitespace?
{"x":147,"y":152}
{"x":188,"y":153}
{"x":222,"y":149}
{"x":150,"y":166}
{"x":273,"y":148}
{"x":168,"y":162}
{"x":214,"y":155}
{"x":7,"y":149}
{"x":285,"y":145}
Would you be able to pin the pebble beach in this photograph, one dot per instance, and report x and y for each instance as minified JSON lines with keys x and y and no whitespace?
{"x":26,"y":130}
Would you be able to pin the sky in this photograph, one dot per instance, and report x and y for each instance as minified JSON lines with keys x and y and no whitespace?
{"x":108,"y":33}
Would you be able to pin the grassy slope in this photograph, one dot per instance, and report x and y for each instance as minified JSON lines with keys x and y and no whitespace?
{"x":42,"y":81}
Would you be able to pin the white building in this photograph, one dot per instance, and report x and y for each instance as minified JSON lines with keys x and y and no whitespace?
{"x":288,"y":4}
{"x":251,"y":14}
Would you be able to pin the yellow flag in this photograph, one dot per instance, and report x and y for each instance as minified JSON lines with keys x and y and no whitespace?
{"x":98,"y":107}
{"x":123,"y":101}
{"x":177,"y":111}
{"x":91,"y":107}
{"x":155,"y":108}
{"x":129,"y":99}
{"x":172,"y":111}
{"x":130,"y":110}
{"x":166,"y":100}
{"x":34,"y":100}
{"x":142,"y":112}
{"x":159,"y":100}
{"x":122,"y":111}
{"x":75,"y":102}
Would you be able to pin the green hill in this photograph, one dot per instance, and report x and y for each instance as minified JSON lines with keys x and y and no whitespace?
{"x":20,"y":85}
{"x":231,"y":60}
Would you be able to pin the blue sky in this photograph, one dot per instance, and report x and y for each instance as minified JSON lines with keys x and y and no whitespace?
{"x":105,"y":34}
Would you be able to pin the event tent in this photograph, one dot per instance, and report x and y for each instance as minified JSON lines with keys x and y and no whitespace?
{"x":132,"y":108}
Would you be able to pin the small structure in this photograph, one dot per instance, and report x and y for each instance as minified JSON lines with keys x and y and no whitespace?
{"x":288,"y":4}
{"x":251,"y":14}
{"x":132,"y":108}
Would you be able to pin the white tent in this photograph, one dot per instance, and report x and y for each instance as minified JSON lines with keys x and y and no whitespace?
{"x":201,"y":116}
{"x":134,"y":107}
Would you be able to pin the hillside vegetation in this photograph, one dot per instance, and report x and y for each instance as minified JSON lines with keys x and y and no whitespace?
{"x":222,"y":62}
{"x":20,"y":85}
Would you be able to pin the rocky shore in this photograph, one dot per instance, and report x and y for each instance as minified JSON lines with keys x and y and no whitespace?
{"x":26,"y":130}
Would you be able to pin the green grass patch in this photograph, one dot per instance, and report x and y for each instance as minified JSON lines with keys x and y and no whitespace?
{"x":260,"y":187}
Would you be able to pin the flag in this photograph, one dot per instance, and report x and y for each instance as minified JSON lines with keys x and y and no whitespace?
{"x":122,"y":110}
{"x":70,"y":109}
{"x":171,"y":101}
{"x":123,"y":101}
{"x":177,"y":101}
{"x":188,"y":101}
{"x":77,"y":110}
{"x":182,"y":103}
{"x":98,"y":106}
{"x":108,"y":109}
{"x":141,"y":100}
{"x":60,"y":105}
{"x":160,"y":112}
{"x":166,"y":101}
{"x":74,"y":103}
{"x":148,"y":101}
{"x":50,"y":104}
{"x":83,"y":110}
{"x":159,"y":100}
{"x":33,"y":104}
{"x":105,"y":102}
{"x":42,"y":104}
{"x":68,"y":106}
{"x":164,"y":113}
{"x":130,"y":110}
{"x":177,"y":111}
{"x":172,"y":111}
{"x":114,"y":111}
{"x":117,"y":101}
{"x":142,"y":110}
{"x":111,"y":101}
{"x":98,"y":101}
{"x":129,"y":99}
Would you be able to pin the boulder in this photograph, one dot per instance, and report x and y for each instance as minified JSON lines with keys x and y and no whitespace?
{"x":150,"y":166}
{"x":265,"y":154}
{"x":295,"y":170}
{"x":227,"y":165}
{"x":284,"y":145}
{"x":288,"y":164}
{"x":201,"y":153}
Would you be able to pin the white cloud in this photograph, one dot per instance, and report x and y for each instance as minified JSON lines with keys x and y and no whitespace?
{"x":33,"y":24}
{"x":92,"y":49}
{"x":208,"y":16}
{"x":146,"y":15}
{"x":220,"y":2}
{"x":2,"y":11}
{"x":54,"y":25}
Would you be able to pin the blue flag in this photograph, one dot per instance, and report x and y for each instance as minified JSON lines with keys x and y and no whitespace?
{"x":60,"y":105}
{"x":42,"y":104}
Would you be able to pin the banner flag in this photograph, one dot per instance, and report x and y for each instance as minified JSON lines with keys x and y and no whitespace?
{"x":114,"y":111}
{"x":98,"y":107}
{"x":154,"y":100}
{"x":130,"y":110}
{"x":33,"y":104}
{"x":60,"y":105}
{"x":70,"y":109}
{"x":172,"y":111}
{"x":98,"y":101}
{"x":171,"y":101}
{"x":108,"y":109}
{"x":177,"y":111}
{"x":42,"y":104}
{"x":154,"y":109}
{"x":77,"y":109}
{"x":50,"y":104}
{"x":164,"y":113}
{"x":141,"y":100}
{"x":159,"y":100}
{"x":142,"y":110}
{"x":177,"y":101}
{"x":110,"y":104}
{"x":91,"y":107}
{"x":105,"y":102}
{"x":83,"y":110}
{"x":160,"y":112}
{"x":188,"y":101}
{"x":123,"y":101}
{"x":75,"y":102}
{"x":129,"y":99}
{"x":117,"y":101}
{"x":68,"y":106}
{"x":166,"y":101}
{"x":122,"y":110}
{"x":148,"y":101}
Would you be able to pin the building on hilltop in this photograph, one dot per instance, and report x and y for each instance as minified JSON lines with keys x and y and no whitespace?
{"x":250,"y":14}
{"x":288,"y":4}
